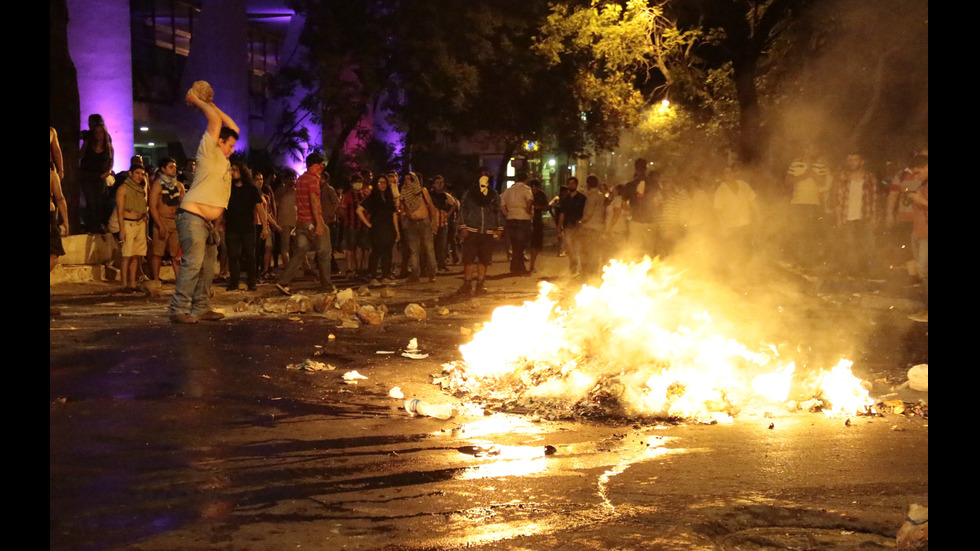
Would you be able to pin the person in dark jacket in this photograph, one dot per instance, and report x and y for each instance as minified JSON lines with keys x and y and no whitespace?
{"x":481,"y":226}
{"x":240,"y":227}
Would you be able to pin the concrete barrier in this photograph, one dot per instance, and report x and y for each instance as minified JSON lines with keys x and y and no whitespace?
{"x":99,"y":248}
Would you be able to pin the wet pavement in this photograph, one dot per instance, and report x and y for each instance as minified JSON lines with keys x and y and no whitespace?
{"x":194,"y":437}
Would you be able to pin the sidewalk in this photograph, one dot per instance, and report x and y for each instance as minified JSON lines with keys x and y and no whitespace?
{"x":89,"y":268}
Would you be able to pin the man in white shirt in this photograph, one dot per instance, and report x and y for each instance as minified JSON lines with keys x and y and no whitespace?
{"x":203,"y":203}
{"x":516,"y":204}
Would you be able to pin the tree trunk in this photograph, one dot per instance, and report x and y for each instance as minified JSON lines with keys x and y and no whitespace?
{"x":64,"y":108}
{"x":750,"y":120}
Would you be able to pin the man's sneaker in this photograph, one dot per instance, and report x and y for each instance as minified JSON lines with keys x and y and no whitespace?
{"x":481,"y":289}
{"x":183,"y":318}
{"x":922,"y":317}
{"x":327,"y":289}
{"x":211,"y":315}
{"x":283,"y":289}
{"x":464,"y":289}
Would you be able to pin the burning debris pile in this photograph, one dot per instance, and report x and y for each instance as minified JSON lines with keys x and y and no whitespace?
{"x":641,"y":345}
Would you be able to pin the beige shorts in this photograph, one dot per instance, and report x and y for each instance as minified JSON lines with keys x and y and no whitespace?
{"x":135,"y":243}
{"x":171,"y":243}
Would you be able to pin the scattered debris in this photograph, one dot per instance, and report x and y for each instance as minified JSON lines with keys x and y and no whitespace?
{"x":323,"y":302}
{"x":294,"y":304}
{"x":415,"y":312}
{"x":915,"y":530}
{"x":894,"y":406}
{"x":344,"y":296}
{"x":298,"y":303}
{"x":353,"y":376}
{"x":413,"y":351}
{"x":396,"y":392}
{"x":334,"y":315}
{"x":439,"y":411}
{"x":387,"y":292}
{"x":479,"y":451}
{"x":311,"y":365}
{"x":363,"y":291}
{"x":919,"y":377}
{"x":372,"y":315}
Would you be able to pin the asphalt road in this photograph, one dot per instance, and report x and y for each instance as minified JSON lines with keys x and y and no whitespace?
{"x":197,"y":437}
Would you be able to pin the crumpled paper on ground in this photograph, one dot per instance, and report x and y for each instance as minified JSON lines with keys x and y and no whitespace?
{"x":311,"y":365}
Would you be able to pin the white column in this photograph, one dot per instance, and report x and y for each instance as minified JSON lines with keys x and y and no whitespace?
{"x":100,"y":47}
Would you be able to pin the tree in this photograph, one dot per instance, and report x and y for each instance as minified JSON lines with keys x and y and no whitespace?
{"x":622,"y":58}
{"x":461,"y":68}
{"x":698,"y":52}
{"x":745,"y":32}
{"x":860,"y":73}
{"x":346,"y":68}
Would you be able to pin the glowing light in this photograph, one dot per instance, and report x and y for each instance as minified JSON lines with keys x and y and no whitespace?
{"x":551,"y":162}
{"x":775,"y":386}
{"x":638,"y":341}
{"x":843,"y":393}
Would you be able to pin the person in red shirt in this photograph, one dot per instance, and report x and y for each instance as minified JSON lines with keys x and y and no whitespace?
{"x":898,"y":212}
{"x":356,"y":239}
{"x":311,"y":229}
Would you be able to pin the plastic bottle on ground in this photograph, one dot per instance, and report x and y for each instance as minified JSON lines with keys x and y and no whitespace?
{"x":439,"y":411}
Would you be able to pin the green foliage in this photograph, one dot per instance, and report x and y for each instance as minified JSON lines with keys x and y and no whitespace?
{"x":623,"y":58}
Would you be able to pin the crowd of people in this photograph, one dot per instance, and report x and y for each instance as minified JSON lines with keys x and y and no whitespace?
{"x":846,"y":221}
{"x":276,"y":225}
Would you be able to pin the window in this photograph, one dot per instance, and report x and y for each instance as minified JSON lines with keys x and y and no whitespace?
{"x":161,"y":40}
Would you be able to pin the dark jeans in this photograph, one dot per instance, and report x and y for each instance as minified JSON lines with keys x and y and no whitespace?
{"x":382,"y":241}
{"x":519,"y":234}
{"x":858,"y":248}
{"x":241,"y":255}
{"x":96,"y":197}
{"x":442,"y":246}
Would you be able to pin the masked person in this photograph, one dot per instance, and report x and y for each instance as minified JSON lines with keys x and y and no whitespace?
{"x":481,"y":225}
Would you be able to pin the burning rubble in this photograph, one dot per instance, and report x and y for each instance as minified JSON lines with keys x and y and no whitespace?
{"x":643,"y":344}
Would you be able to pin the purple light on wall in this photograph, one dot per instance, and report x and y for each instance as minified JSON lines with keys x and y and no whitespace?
{"x":99,"y":44}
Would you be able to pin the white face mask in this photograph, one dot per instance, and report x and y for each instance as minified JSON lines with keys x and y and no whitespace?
{"x":358,"y":186}
{"x":484,"y":185}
